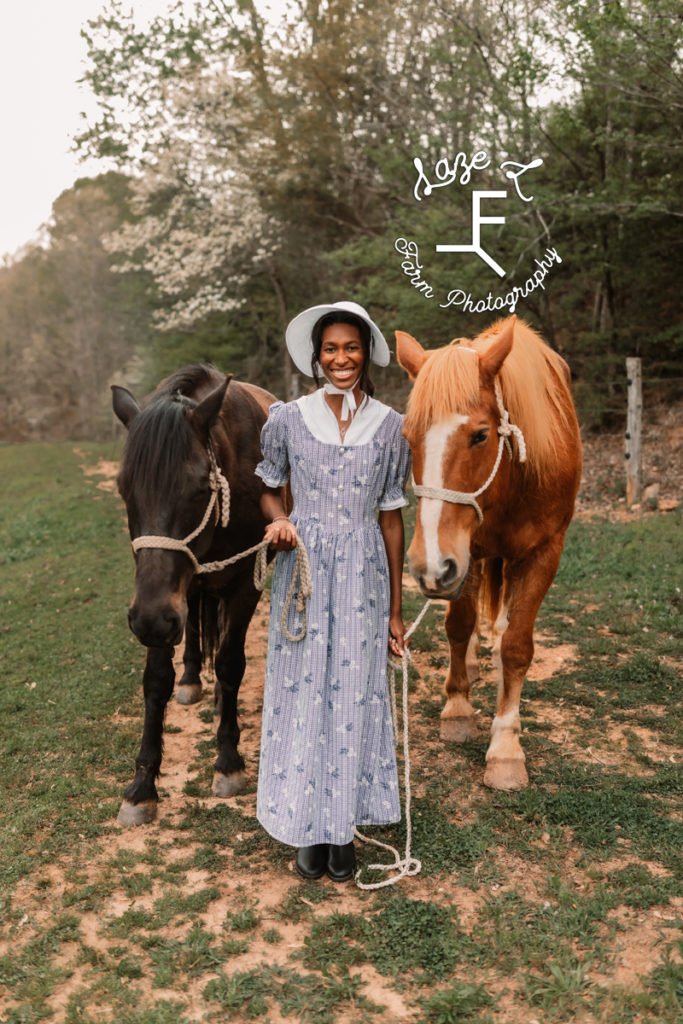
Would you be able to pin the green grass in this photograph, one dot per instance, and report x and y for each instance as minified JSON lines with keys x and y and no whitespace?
{"x":69,"y":661}
{"x":525,"y":899}
{"x":244,"y":920}
{"x":561,"y":990}
{"x":189,"y":957}
{"x":632,"y":572}
{"x":456,"y":1004}
{"x":309,"y":997}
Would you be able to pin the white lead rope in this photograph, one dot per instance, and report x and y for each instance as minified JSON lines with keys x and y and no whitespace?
{"x":409,"y":865}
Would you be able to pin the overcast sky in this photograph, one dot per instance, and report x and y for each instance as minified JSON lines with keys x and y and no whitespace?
{"x":41,"y":55}
{"x":41,"y":60}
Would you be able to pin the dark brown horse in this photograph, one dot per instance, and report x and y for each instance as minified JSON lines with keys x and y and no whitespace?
{"x":497,"y":464}
{"x":198,"y":430}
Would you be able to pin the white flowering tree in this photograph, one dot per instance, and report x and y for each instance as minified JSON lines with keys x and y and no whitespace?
{"x":254,"y":149}
{"x":177,"y":107}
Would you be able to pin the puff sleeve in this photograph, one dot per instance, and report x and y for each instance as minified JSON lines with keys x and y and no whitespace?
{"x":394,"y":492}
{"x":274,"y":467}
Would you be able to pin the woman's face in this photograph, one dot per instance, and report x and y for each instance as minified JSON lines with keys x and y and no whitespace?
{"x":341,"y":355}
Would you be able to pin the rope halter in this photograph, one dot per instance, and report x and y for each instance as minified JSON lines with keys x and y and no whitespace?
{"x":219,"y":504}
{"x":301,"y":585}
{"x":505,"y":430}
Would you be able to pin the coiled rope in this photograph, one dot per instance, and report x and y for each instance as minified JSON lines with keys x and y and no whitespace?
{"x":408,"y":865}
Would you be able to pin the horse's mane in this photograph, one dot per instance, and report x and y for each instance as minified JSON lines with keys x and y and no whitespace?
{"x":159,"y":441}
{"x":533,"y":381}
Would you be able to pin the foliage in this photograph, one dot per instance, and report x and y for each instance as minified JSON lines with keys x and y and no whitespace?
{"x":293,"y":148}
{"x":262,"y":164}
{"x":614,"y":172}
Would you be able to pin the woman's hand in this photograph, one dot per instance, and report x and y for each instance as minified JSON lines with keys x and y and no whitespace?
{"x":391,"y":525}
{"x":281,"y":534}
{"x":397,"y":637}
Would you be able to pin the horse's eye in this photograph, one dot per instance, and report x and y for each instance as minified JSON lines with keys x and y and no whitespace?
{"x":478,"y":438}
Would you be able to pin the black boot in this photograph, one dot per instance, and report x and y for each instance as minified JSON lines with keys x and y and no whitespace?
{"x":341,"y":862}
{"x":311,"y":861}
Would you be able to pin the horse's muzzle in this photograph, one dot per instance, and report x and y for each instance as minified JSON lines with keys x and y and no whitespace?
{"x":446,"y":585}
{"x":164,"y":629}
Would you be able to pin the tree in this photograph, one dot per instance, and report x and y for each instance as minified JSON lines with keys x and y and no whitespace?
{"x":32,"y":310}
{"x":614,"y":173}
{"x":272,"y":165}
{"x":68,"y":323}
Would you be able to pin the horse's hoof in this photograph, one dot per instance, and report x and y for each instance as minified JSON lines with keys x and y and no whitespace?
{"x":228,"y":785}
{"x":505,"y":773}
{"x":191,"y":694}
{"x":459,"y":730}
{"x":137,"y":814}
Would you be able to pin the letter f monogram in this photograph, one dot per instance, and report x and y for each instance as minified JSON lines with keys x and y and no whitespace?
{"x":477,"y":221}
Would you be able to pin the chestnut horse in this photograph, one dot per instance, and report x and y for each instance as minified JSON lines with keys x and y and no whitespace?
{"x":192,"y":497}
{"x":497,"y":465}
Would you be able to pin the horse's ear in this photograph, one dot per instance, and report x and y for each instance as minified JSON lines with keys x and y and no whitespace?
{"x":206,"y":413}
{"x":124,"y":404}
{"x":492,"y":358}
{"x":410,"y":354}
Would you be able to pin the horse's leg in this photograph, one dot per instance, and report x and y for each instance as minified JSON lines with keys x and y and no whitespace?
{"x":229,"y":776}
{"x":524,"y":587}
{"x":217,"y":705}
{"x":457,"y":718}
{"x":140,"y":799}
{"x":189,"y":689}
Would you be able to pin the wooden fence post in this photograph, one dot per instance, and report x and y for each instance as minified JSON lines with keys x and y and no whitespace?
{"x":634,"y":419}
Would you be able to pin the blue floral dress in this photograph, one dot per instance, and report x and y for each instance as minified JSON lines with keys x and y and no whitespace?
{"x":328,"y":761}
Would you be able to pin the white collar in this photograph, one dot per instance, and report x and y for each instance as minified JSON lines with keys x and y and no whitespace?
{"x":322,"y":423}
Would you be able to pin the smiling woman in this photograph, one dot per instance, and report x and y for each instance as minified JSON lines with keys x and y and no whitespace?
{"x":341,"y":353}
{"x":342,"y":346}
{"x":327,"y":753}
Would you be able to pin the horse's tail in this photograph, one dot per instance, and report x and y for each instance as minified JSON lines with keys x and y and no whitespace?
{"x":491,"y":588}
{"x":210,"y":625}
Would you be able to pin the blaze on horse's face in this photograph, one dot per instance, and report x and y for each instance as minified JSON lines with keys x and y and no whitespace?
{"x":454,"y":446}
{"x":164,"y":482}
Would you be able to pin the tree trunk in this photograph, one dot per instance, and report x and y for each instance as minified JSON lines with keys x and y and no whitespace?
{"x":287,"y":368}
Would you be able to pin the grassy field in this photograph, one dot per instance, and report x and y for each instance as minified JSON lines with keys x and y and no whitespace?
{"x":562,"y":902}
